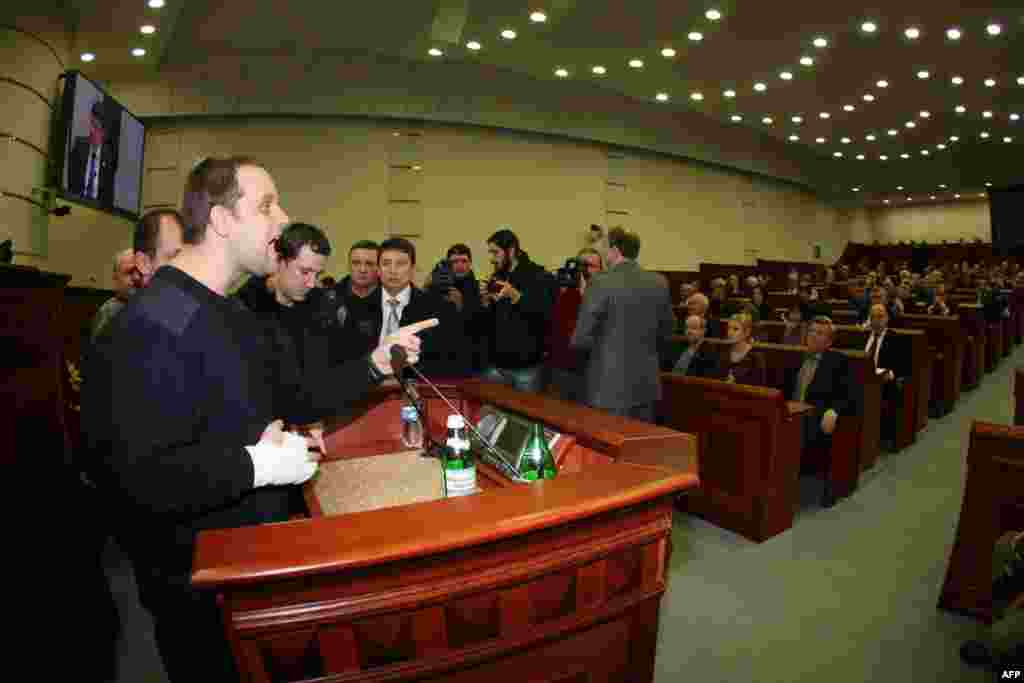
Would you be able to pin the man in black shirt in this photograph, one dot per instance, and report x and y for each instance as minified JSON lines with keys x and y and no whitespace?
{"x":183,"y":408}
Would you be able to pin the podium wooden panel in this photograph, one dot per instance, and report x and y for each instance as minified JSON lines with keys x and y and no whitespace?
{"x":556,"y":580}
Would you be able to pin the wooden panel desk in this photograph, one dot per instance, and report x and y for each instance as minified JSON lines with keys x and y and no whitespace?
{"x":556,"y":580}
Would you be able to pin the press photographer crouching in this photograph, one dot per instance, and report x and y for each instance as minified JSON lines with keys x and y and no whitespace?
{"x":517,"y":304}
{"x":566,"y":364}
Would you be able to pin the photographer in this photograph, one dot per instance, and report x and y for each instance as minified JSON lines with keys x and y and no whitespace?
{"x":516,"y":315}
{"x":566,"y":364}
{"x":453,"y":279}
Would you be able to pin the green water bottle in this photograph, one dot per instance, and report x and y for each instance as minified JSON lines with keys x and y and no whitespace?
{"x":457,"y":464}
{"x":536,"y":461}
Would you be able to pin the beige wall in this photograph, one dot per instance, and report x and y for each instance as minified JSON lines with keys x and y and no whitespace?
{"x":933,"y":223}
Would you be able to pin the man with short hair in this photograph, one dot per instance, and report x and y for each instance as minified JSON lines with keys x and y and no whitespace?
{"x":516,"y":314}
{"x":157,"y":240}
{"x":183,"y":412}
{"x":592,"y":263}
{"x":624,"y":321}
{"x":125,"y":282}
{"x":92,"y":160}
{"x":696,"y":358}
{"x":465,"y":296}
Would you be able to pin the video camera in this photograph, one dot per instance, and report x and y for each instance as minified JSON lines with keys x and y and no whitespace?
{"x":571,"y":274}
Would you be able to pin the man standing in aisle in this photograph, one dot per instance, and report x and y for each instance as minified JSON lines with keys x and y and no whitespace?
{"x":625,"y":319}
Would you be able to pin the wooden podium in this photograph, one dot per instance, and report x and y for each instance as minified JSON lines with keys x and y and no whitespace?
{"x":557,"y":580}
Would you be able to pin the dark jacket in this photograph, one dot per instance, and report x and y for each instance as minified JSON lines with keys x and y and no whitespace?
{"x":832,"y":386}
{"x":705,"y":363}
{"x":517,"y":333}
{"x":78,"y":161}
{"x":894,"y":354}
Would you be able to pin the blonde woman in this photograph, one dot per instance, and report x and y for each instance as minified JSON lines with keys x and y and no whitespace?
{"x":741,"y":364}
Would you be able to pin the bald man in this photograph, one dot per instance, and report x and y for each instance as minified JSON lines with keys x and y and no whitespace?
{"x":695,"y":358}
{"x":125,"y":280}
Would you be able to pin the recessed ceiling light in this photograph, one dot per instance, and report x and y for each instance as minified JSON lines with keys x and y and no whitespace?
{"x":695,"y":36}
{"x":794,"y":138}
{"x":954,"y":33}
{"x":910,"y":124}
{"x":786,"y":76}
{"x":636,"y":63}
{"x":924,"y":114}
{"x":760,"y":87}
{"x":892,"y":131}
{"x":956,"y":196}
{"x":138,"y":52}
{"x":156,"y":4}
{"x":696,"y":96}
{"x":473,"y":45}
{"x":809,"y":61}
{"x":767,"y":121}
{"x":869,"y":27}
{"x":957,"y":80}
{"x":729,"y":93}
{"x":986,"y":114}
{"x":988,"y":183}
{"x":508,"y":34}
{"x":882,"y":84}
{"x":538,"y":17}
{"x":837,"y":155}
{"x":798,"y":119}
{"x":960,"y":109}
{"x":820,"y":141}
{"x":855,"y":189}
{"x":984,"y":134}
{"x":824,"y":115}
{"x":713,"y":15}
{"x":820,"y":42}
{"x":870,"y":137}
{"x":88,"y":56}
{"x":860,"y":157}
{"x":925,"y":152}
{"x":869,"y":97}
{"x":994,"y":29}
{"x":1007,"y":139}
{"x":736,"y":118}
{"x":904,"y":156}
{"x":845,"y":141}
{"x":913,"y":33}
{"x":1014,"y":117}
{"x":434,"y":52}
{"x":148,"y":29}
{"x":883,"y":157}
{"x":885,"y":201}
{"x":1020,"y":80}
{"x":599,"y":70}
{"x":848,"y":107}
{"x":899,"y":188}
{"x":910,"y":199}
{"x":662,"y":97}
{"x":561,"y":73}
{"x":940,"y":146}
{"x":990,"y":82}
{"x":922,"y":74}
{"x":933,"y":197}
{"x":942,"y":186}
{"x":668,"y":52}
{"x":954,"y":138}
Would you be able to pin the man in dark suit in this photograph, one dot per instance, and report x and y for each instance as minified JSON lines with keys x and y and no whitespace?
{"x":398,"y":303}
{"x":695,"y":359}
{"x":891,"y":361}
{"x":825,"y":381}
{"x":92,"y":162}
{"x":625,"y":316}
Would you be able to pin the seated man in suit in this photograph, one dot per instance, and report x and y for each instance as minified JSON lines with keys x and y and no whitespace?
{"x":698,"y":305}
{"x":696,"y":358}
{"x":825,"y":381}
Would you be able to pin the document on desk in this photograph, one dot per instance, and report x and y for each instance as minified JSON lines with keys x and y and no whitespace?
{"x":380,"y":481}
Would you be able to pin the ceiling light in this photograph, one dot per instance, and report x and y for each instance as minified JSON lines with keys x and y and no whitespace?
{"x":668,"y":52}
{"x":767,"y":121}
{"x":892,"y":131}
{"x":855,"y":189}
{"x":957,"y":80}
{"x":860,"y":157}
{"x":434,"y":52}
{"x":636,"y":63}
{"x":960,"y":109}
{"x":538,"y":17}
{"x":88,"y":56}
{"x":986,"y":114}
{"x":942,"y":186}
{"x":473,"y":45}
{"x":984,"y":134}
{"x":925,"y":152}
{"x":913,"y":33}
{"x":954,"y":33}
{"x":954,"y":138}
{"x":508,"y":34}
{"x":933,"y":197}
{"x":848,"y":107}
{"x":138,"y":52}
{"x":760,"y":87}
{"x":156,"y":4}
{"x":820,"y":141}
{"x":910,"y":199}
{"x":837,"y":155}
{"x":883,"y":157}
{"x":696,"y":96}
{"x":662,"y":97}
{"x":1020,"y":80}
{"x":869,"y":27}
{"x":729,"y":93}
{"x":940,"y":146}
{"x":990,"y":82}
{"x":994,"y":29}
{"x":695,"y":36}
{"x":922,"y":74}
{"x":904,"y":156}
{"x":713,"y":15}
{"x":786,"y":76}
{"x":910,"y":124}
{"x":599,"y":70}
{"x":988,"y":183}
{"x":882,"y":84}
{"x":794,"y":138}
{"x":820,"y":42}
{"x":148,"y":29}
{"x":885,"y":201}
{"x":809,"y":61}
{"x":870,"y":137}
{"x":845,"y":141}
{"x":736,"y":118}
{"x":869,"y":97}
{"x":899,"y":188}
{"x":956,"y":196}
{"x":561,"y":73}
{"x":824,"y":115}
{"x":925,"y":114}
{"x":798,"y":119}
{"x":1007,"y":139}
{"x":1014,"y":117}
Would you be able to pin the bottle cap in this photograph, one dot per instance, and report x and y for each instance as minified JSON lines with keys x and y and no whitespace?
{"x":456,"y":422}
{"x":409,"y":413}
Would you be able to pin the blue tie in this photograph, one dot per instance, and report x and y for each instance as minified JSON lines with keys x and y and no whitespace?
{"x":90,"y":178}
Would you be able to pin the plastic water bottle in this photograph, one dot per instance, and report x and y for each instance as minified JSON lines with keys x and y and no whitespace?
{"x":457,"y":466}
{"x":412,"y":428}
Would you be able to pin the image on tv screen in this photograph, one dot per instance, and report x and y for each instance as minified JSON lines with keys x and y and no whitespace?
{"x":103,"y":149}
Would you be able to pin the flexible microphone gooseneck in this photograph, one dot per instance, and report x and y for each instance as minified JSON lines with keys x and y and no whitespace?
{"x":399,"y":360}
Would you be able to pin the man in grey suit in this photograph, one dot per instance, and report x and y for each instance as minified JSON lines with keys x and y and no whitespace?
{"x":625,"y":315}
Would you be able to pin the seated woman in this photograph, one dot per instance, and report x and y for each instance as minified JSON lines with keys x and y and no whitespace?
{"x":795,"y":333}
{"x":739,"y":364}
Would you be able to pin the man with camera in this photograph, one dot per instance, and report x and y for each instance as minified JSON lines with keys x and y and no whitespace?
{"x":566,"y":364}
{"x":453,"y":279}
{"x":516,"y":315}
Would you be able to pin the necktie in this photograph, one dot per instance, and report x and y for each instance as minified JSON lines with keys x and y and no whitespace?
{"x":872,"y":344}
{"x":392,"y":324}
{"x":804,"y":380}
{"x":90,"y":177}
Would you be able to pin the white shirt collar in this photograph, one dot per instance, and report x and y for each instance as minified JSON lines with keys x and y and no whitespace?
{"x":403,"y":297}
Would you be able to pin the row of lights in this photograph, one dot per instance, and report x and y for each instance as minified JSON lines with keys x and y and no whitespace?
{"x":145,"y":29}
{"x":953,"y":33}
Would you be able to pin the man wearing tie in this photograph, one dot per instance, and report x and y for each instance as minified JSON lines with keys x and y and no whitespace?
{"x":890,"y":363}
{"x":696,"y":359}
{"x":93,"y":160}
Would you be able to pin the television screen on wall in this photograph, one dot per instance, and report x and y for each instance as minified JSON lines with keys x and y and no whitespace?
{"x":102,"y":153}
